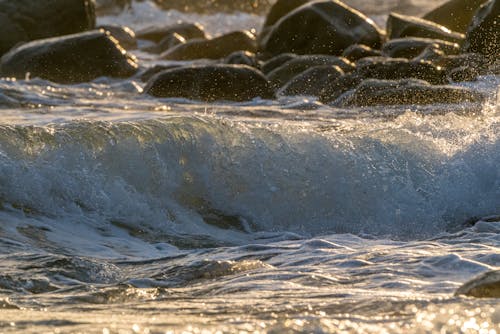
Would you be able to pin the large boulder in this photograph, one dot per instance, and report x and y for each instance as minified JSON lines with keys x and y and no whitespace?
{"x":275,"y":62}
{"x":483,"y":34}
{"x":312,"y":81}
{"x":486,"y":285}
{"x":185,"y":29}
{"x":70,"y":59}
{"x":406,"y":92}
{"x":358,"y":51}
{"x":27,"y":20}
{"x":321,"y":27}
{"x":211,"y":83}
{"x":279,"y":76}
{"x":333,"y":89}
{"x":124,"y":35}
{"x":410,"y":47}
{"x":280,"y":8}
{"x":215,"y":48}
{"x":409,"y":26}
{"x":455,"y":14}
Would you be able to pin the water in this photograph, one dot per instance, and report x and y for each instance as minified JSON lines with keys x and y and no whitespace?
{"x":126,"y":214}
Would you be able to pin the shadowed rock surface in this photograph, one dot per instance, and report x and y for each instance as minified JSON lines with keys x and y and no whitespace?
{"x":411,"y":47}
{"x":27,"y":20}
{"x":215,"y":48}
{"x":69,"y":59}
{"x":312,"y":81}
{"x":280,"y":9}
{"x":483,"y":35}
{"x":334,"y":89}
{"x":276,"y":62}
{"x":399,"y":25}
{"x":455,"y":14}
{"x":486,"y":285}
{"x":358,"y":51}
{"x":406,"y":92}
{"x":124,"y":35}
{"x":321,"y":27}
{"x":211,"y":83}
{"x":242,"y":58}
{"x":185,"y":29}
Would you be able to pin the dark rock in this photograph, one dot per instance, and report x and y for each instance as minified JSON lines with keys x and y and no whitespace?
{"x":124,"y":35}
{"x":279,"y":76}
{"x":431,"y":53}
{"x":27,"y":20}
{"x":321,"y":27}
{"x":70,"y":59}
{"x":211,"y":83}
{"x":186,"y":30}
{"x":276,"y":62}
{"x":472,"y":60}
{"x":215,"y":48}
{"x":406,"y":92}
{"x":280,"y":9}
{"x":334,"y":89}
{"x":464,"y":73}
{"x":152,"y":71}
{"x":311,"y":81}
{"x":483,"y":34}
{"x":358,"y":51}
{"x":455,"y":14}
{"x":486,"y":285}
{"x":409,"y":26}
{"x":215,"y":6}
{"x":396,"y":69}
{"x":109,"y":7}
{"x":242,"y":58}
{"x":167,"y":43}
{"x":411,"y":47}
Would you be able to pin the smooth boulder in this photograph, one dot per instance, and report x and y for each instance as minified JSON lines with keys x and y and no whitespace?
{"x":215,"y":48}
{"x":311,"y":81}
{"x":486,"y":285}
{"x":410,"y":47}
{"x":70,"y":59}
{"x":455,"y":14}
{"x":28,"y":20}
{"x":483,"y":34}
{"x":280,"y":8}
{"x":399,"y":25}
{"x":321,"y":27}
{"x":406,"y":92}
{"x":124,"y":35}
{"x":358,"y":51}
{"x":211,"y":83}
{"x":185,"y":29}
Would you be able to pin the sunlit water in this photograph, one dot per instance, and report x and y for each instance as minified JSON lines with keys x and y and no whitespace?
{"x":126,"y":214}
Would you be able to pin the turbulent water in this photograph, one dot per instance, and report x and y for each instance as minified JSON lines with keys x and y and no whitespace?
{"x":120,"y":213}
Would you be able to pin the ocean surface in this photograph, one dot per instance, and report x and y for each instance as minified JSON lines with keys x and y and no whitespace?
{"x":122,"y":213}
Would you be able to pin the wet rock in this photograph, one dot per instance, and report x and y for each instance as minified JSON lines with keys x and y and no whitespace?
{"x":186,"y":30}
{"x":358,"y":51}
{"x":396,"y":69}
{"x":211,"y":83}
{"x":461,"y":74}
{"x":27,"y":20}
{"x":215,"y":6}
{"x":280,"y":9}
{"x":215,"y":48}
{"x":242,"y":58}
{"x":409,"y":26}
{"x":486,"y":285}
{"x":70,"y":59}
{"x":124,"y":35}
{"x":406,"y":92}
{"x":321,"y":27}
{"x":108,"y":7}
{"x":455,"y":14}
{"x":167,"y":43}
{"x":276,"y":62}
{"x":431,"y":53}
{"x":483,"y":34}
{"x":411,"y":47}
{"x":475,"y":61}
{"x":279,"y":76}
{"x":334,"y":89}
{"x":312,"y":81}
{"x":152,"y":71}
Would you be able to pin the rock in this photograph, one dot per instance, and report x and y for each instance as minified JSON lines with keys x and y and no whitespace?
{"x":279,"y":76}
{"x":486,"y":285}
{"x":411,"y":47}
{"x":396,"y":69}
{"x":215,"y":48}
{"x":70,"y":59}
{"x":276,"y":62}
{"x":186,"y":30}
{"x":242,"y":58}
{"x":455,"y":14}
{"x":358,"y":51}
{"x":211,"y":83}
{"x":410,"y":26}
{"x":27,"y":20}
{"x":280,"y":9}
{"x":461,"y":74}
{"x":321,"y":27}
{"x":124,"y":35}
{"x":311,"y":81}
{"x":483,"y":34}
{"x":334,"y":89}
{"x":152,"y":71}
{"x":167,"y":43}
{"x":473,"y":60}
{"x":430,"y":53}
{"x":215,"y":6}
{"x":406,"y":92}
{"x":109,"y":7}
